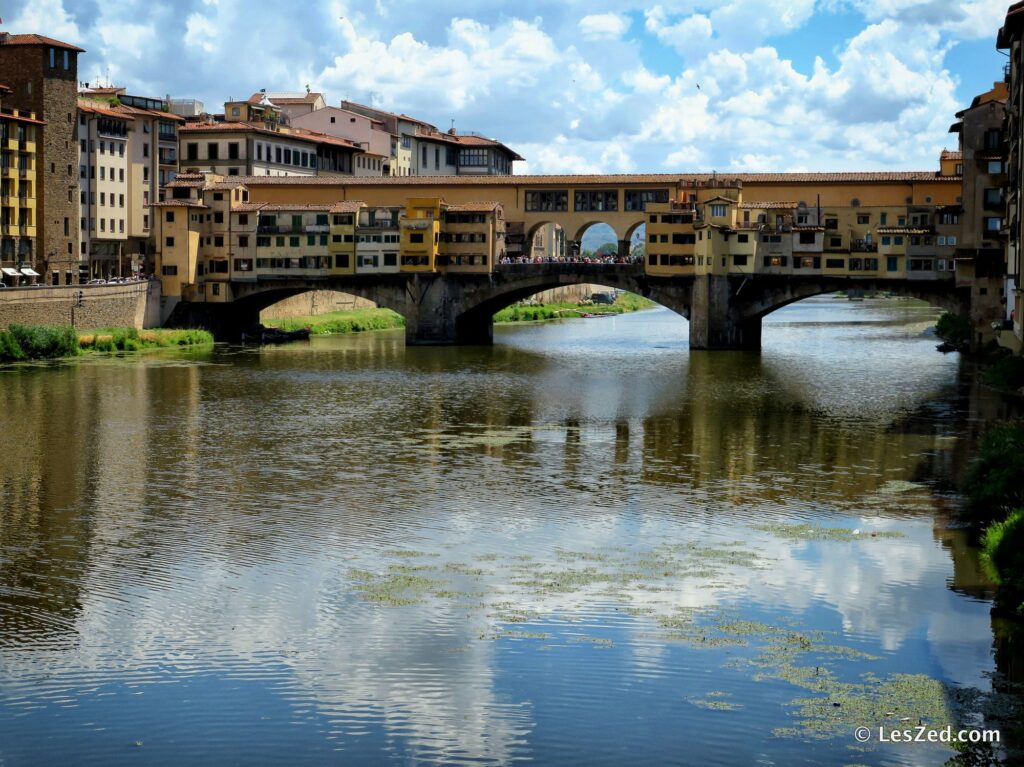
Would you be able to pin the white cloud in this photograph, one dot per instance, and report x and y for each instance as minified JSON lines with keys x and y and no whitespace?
{"x":603,"y":26}
{"x":47,"y":17}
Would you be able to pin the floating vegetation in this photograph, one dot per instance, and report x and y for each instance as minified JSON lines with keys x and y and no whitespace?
{"x":396,"y":590}
{"x":805,"y":532}
{"x":713,"y":701}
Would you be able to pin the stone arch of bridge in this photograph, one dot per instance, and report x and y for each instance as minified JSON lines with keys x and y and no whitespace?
{"x":768,"y":296}
{"x":252,"y":301}
{"x":673,"y":296}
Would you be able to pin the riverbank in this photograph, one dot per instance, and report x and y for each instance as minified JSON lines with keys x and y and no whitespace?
{"x":335,"y":323}
{"x":525,"y":312}
{"x":38,"y":342}
{"x":131,"y":340}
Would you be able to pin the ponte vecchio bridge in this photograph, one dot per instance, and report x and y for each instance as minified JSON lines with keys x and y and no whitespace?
{"x":448,"y":252}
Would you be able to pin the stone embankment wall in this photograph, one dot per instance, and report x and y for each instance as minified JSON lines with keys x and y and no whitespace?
{"x":130,"y":304}
{"x":569,"y":294}
{"x":313,"y":303}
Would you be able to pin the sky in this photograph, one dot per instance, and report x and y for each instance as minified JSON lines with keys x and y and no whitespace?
{"x":574,"y":86}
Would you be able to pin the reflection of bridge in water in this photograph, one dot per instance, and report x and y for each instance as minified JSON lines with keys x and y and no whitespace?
{"x":724,"y":310}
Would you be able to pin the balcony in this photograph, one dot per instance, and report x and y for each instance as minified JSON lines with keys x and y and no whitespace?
{"x":863,"y":246}
{"x":316,"y":229}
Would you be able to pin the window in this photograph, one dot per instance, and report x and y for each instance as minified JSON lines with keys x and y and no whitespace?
{"x":951,"y":240}
{"x":739,"y":260}
{"x":293,"y":242}
{"x":170,"y":270}
{"x":233,"y":150}
{"x":863,"y":218}
{"x":994,"y":198}
{"x":995,"y":167}
{"x":213,"y":151}
{"x":416,"y":237}
{"x":835,"y":263}
{"x":892,"y":264}
{"x":555,"y":200}
{"x":637,"y":199}
{"x":806,"y":238}
{"x":53,"y":57}
{"x":145,"y":150}
{"x":218,"y":242}
{"x":169,"y":217}
{"x":191,"y":151}
{"x":993,"y":224}
{"x":886,"y":240}
{"x":718,"y":210}
{"x":606,"y":199}
{"x":424,"y":156}
{"x":474,"y":157}
{"x":169,"y":242}
{"x":993,"y":138}
{"x":218,"y":217}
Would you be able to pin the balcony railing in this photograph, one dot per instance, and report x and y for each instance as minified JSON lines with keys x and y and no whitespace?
{"x":863,"y":246}
{"x":317,"y":229}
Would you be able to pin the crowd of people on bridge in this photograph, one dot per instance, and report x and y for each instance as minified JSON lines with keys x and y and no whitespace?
{"x":577,"y":259}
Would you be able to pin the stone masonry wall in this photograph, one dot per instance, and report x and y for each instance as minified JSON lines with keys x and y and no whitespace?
{"x":86,"y":307}
{"x":52,"y":94}
{"x":313,"y":303}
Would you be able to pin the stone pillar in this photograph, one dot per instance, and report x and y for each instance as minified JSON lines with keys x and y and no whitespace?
{"x":435,"y":317}
{"x":716,"y":323}
{"x":624,"y":249}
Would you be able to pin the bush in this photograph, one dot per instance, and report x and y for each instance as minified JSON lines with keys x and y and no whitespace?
{"x":954,"y":329}
{"x":1003,"y":556}
{"x":46,"y":342}
{"x":993,"y":484}
{"x":9,"y":348}
{"x":1006,"y":373}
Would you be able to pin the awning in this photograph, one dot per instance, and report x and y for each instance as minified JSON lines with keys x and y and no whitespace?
{"x":11,"y":272}
{"x":30,"y":272}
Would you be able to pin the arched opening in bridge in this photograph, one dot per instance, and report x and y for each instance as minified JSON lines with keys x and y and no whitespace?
{"x":545,"y":241}
{"x":314,"y":303}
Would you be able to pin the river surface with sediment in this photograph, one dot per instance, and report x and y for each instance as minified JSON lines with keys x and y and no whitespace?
{"x":584,"y":545}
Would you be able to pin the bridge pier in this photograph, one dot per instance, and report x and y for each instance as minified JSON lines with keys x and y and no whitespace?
{"x":226,"y":321}
{"x":716,"y":321}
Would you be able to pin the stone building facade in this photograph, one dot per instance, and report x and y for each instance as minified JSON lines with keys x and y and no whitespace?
{"x":43,"y":76}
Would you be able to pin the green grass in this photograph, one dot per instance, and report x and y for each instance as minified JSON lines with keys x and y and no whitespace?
{"x":36,"y":342}
{"x":130,"y":339}
{"x":626,"y":302}
{"x":1003,"y":556}
{"x":354,"y":321}
{"x":954,"y":329}
{"x":993,"y":483}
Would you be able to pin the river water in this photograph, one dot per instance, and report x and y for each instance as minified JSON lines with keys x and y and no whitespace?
{"x":583,"y":545}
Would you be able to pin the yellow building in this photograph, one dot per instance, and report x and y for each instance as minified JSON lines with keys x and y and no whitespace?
{"x":420,"y":235}
{"x":17,"y":193}
{"x":473,"y":237}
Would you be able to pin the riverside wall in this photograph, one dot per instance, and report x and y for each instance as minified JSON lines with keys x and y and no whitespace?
{"x":86,"y":307}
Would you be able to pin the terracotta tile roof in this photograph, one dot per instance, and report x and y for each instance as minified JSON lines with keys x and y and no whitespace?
{"x":948,"y":155}
{"x":291,"y":98}
{"x":807,"y":228}
{"x":719,"y":198}
{"x":178,"y":204}
{"x":149,"y":113}
{"x":463,"y":140}
{"x":768,"y":205}
{"x":297,"y":207}
{"x":903,"y":230}
{"x":989,"y":156}
{"x":474,"y":207}
{"x":247,"y":207}
{"x":347,"y":206}
{"x":37,"y":40}
{"x":1012,"y":24}
{"x":296,"y":134}
{"x":91,"y":108}
{"x":8,"y":114}
{"x":649,"y":179}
